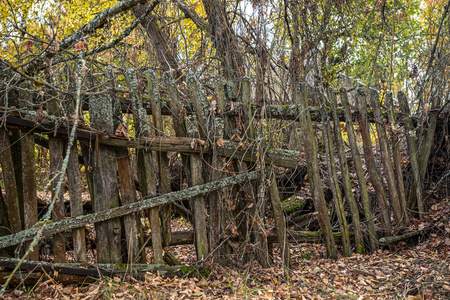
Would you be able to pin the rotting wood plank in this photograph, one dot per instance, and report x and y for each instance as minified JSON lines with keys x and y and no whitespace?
{"x":105,"y":183}
{"x":89,"y":270}
{"x":132,"y":226}
{"x":27,"y":148}
{"x":313,"y":171}
{"x":400,"y":213}
{"x":149,"y":202}
{"x":161,"y":157}
{"x":145,"y":166}
{"x":357,"y":162}
{"x":369,"y":158}
{"x":198,"y":202}
{"x":56,"y":152}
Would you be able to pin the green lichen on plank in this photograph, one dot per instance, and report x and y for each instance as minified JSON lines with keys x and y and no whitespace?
{"x":136,"y":102}
{"x":101,"y":113}
{"x":293,"y":203}
{"x":148,"y":202}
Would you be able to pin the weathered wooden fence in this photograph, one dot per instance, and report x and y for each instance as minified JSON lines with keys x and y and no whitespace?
{"x":225,"y":153}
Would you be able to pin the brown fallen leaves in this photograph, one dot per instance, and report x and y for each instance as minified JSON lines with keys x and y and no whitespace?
{"x":411,"y":272}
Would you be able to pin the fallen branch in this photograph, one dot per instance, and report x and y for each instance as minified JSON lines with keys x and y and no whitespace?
{"x":51,"y":228}
{"x":398,"y":238}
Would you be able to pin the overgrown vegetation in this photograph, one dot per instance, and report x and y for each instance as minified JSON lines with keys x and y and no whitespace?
{"x":259,"y":123}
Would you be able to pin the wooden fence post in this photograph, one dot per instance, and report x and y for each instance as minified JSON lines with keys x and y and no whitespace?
{"x":105,"y":183}
{"x":313,"y":171}
{"x":30,"y":209}
{"x":254,"y":200}
{"x":56,"y":150}
{"x":336,"y":190}
{"x":398,"y":205}
{"x":373,"y":240}
{"x":12,"y":199}
{"x":145,"y":164}
{"x":413,"y":154}
{"x":162,"y":158}
{"x":127,"y":189}
{"x":397,"y":156}
{"x":195,"y":160}
{"x":369,"y":158}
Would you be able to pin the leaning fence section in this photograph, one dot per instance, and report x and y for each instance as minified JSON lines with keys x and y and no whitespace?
{"x":133,"y":126}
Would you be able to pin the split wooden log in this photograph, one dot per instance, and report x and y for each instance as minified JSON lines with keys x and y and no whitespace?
{"x":56,"y":152}
{"x":127,"y":188}
{"x":398,"y":205}
{"x":410,"y":131}
{"x":337,"y":195}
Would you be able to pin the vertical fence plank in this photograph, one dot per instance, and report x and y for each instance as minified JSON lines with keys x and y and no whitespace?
{"x":359,"y":242}
{"x":162,"y":158}
{"x":395,"y":141}
{"x":257,"y":195}
{"x":75,"y":186}
{"x":56,"y":149}
{"x":11,"y":197}
{"x":369,"y":158}
{"x":127,"y":189}
{"x":413,"y":154}
{"x":280,"y":223}
{"x":313,"y":171}
{"x":357,"y":162}
{"x":145,"y":164}
{"x":29,"y":173}
{"x":105,"y":182}
{"x":76,"y":203}
{"x":400,"y":213}
{"x":199,"y":211}
{"x":336,"y":190}
{"x":217,"y":213}
{"x":6,"y":161}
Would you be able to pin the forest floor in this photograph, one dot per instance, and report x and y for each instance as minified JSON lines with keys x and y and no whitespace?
{"x":414,"y":269}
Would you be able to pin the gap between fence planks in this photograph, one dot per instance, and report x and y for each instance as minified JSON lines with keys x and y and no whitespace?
{"x":72,"y":223}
